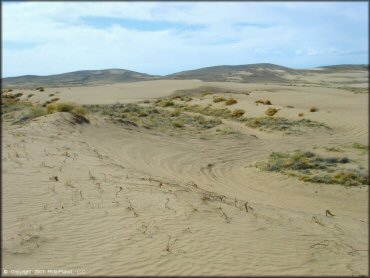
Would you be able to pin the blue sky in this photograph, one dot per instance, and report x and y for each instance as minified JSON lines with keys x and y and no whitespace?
{"x":45,"y":38}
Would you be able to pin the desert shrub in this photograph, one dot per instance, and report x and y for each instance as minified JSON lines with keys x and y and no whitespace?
{"x":332,"y":149}
{"x":238,"y":113}
{"x":41,"y":89}
{"x":146,"y":101}
{"x":231,"y":101}
{"x":360,"y":147}
{"x":36,"y":111}
{"x":218,"y":99}
{"x":178,"y":124}
{"x":166,"y":103}
{"x":209,"y":111}
{"x":300,"y":115}
{"x":51,"y":108}
{"x":271,"y":111}
{"x":210,"y":123}
{"x":176,"y":112}
{"x":79,"y":110}
{"x":289,"y":106}
{"x":314,"y":109}
{"x":30,"y":95}
{"x":200,"y":119}
{"x":263,"y":101}
{"x":17,"y":95}
{"x":66,"y":107}
{"x":50,"y":95}
{"x":143,"y":114}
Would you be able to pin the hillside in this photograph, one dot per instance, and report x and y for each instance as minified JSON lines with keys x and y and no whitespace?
{"x":239,"y":73}
{"x":252,"y":73}
{"x":86,"y":77}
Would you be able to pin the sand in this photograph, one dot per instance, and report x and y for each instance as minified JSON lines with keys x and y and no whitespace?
{"x":108,"y":199}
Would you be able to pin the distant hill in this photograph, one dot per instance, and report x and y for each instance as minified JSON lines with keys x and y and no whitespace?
{"x":346,"y":67}
{"x":85,"y":77}
{"x":253,"y":73}
{"x":241,"y":73}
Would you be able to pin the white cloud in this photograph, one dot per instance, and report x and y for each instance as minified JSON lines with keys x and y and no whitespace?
{"x":59,"y":40}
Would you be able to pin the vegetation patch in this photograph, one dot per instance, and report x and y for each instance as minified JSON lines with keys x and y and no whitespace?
{"x":360,"y":147}
{"x":237,"y":113}
{"x":209,"y":111}
{"x":308,"y":166}
{"x":263,"y":101}
{"x":218,"y":99}
{"x":231,"y":101}
{"x":151,"y":117}
{"x":165,"y":103}
{"x":284,"y":124}
{"x":314,"y":109}
{"x":333,"y":149}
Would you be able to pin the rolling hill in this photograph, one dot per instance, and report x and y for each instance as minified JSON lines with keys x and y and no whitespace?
{"x":251,"y":73}
{"x":86,"y":77}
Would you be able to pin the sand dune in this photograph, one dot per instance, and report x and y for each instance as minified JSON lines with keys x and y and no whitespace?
{"x":116,"y":199}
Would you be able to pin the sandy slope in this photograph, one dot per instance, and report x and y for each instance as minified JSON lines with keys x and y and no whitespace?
{"x":129,"y":201}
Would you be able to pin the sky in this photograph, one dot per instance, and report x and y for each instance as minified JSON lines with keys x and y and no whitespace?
{"x":43,"y":38}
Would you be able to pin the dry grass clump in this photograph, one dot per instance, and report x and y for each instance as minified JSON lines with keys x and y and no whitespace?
{"x":41,"y":89}
{"x":289,"y":106}
{"x":300,"y":115}
{"x":271,"y":111}
{"x":30,"y":95}
{"x":66,"y":107}
{"x":51,"y":95}
{"x":230,"y":101}
{"x":218,"y":99}
{"x":263,"y":101}
{"x":314,"y":109}
{"x":308,"y":166}
{"x":238,"y":113}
